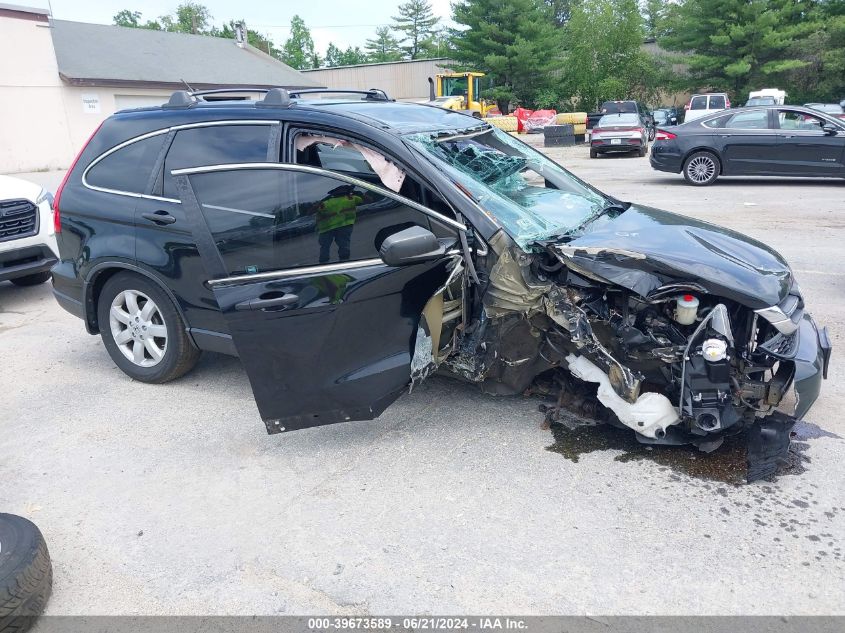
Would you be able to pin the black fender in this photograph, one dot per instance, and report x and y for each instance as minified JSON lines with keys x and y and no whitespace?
{"x":89,"y":301}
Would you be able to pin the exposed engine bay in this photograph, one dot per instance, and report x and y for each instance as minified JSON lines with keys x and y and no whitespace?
{"x":675,"y":364}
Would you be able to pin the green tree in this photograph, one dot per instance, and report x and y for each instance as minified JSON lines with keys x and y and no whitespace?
{"x":190,"y":17}
{"x":516,"y":43}
{"x":822,"y":78}
{"x":298,"y":50}
{"x":132,"y":19}
{"x":333,"y":55}
{"x":742,"y":45}
{"x":654,"y":12}
{"x":604,"y":58}
{"x":383,"y":47}
{"x":416,"y":21}
{"x":561,"y":10}
{"x":352,"y":56}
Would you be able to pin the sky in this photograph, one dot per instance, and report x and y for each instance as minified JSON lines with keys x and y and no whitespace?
{"x":344,"y":22}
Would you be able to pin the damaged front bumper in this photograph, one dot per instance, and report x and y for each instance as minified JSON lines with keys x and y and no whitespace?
{"x":811,"y":362}
{"x":769,"y":437}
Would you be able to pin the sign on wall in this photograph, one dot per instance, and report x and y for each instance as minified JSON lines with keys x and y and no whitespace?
{"x":91,"y":103}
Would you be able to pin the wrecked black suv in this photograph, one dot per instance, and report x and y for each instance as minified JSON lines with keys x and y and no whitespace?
{"x":346,"y":248}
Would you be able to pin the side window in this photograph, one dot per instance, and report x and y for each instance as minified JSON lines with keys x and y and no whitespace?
{"x":718,"y":121}
{"x":717,"y":102}
{"x":214,"y":145}
{"x":272,"y":219}
{"x":698,"y":103}
{"x":756,"y":120}
{"x":791,"y":120}
{"x":129,"y":168}
{"x":358,"y":161}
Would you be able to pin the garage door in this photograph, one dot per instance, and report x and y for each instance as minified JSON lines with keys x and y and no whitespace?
{"x":125,"y":102}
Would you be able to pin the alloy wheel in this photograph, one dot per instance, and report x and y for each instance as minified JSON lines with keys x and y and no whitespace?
{"x":138,"y":328}
{"x":701,"y":169}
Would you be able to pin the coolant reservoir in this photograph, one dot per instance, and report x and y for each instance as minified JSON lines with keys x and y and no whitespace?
{"x":686,"y":310}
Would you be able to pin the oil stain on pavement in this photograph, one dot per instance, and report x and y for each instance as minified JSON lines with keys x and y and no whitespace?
{"x":727,"y":464}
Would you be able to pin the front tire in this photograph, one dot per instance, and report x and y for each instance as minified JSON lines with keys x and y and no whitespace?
{"x":702,"y":168}
{"x":142,"y":330}
{"x":32,"y":280}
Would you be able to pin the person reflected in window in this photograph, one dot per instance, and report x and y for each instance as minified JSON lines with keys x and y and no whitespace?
{"x":336,"y":216}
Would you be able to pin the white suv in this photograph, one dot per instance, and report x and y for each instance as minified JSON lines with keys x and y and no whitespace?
{"x":700,"y":105}
{"x":27,"y":236}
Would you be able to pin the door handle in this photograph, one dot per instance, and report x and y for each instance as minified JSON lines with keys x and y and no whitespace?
{"x":160,"y":217}
{"x":271,"y":302}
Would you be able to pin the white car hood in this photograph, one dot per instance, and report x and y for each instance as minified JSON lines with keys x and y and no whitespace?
{"x":12,"y":188}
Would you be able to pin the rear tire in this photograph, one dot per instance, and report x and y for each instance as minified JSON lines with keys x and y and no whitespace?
{"x":26,"y":575}
{"x":702,"y":168}
{"x":32,"y":280}
{"x":594,"y":153}
{"x":642,"y":151}
{"x":142,"y":330}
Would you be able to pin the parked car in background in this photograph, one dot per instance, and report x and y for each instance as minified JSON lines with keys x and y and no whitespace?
{"x":27,"y":238}
{"x":703,"y":104}
{"x":630,"y":106}
{"x":762,"y":141}
{"x":833,"y":109}
{"x":760,"y":101}
{"x":624,"y":132}
{"x":666,"y":116}
{"x":766,"y":96}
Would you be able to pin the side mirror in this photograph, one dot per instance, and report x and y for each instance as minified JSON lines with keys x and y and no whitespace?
{"x":830,"y":129}
{"x":411,"y":246}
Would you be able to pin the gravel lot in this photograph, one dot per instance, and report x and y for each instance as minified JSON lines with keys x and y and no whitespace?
{"x":173,"y":500}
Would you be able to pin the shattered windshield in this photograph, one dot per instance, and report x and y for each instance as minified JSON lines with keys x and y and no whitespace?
{"x":526,"y":193}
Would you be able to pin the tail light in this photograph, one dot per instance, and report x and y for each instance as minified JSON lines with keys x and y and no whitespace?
{"x":663,"y":135}
{"x":597,"y":130}
{"x":637,"y":130}
{"x":57,"y":217}
{"x":687,"y":105}
{"x":727,"y":103}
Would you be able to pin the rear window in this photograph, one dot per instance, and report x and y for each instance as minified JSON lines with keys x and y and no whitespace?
{"x":619,"y":119}
{"x":612,"y":107}
{"x":127,"y":169}
{"x":215,"y":145}
{"x":717,"y":102}
{"x":698,"y":103}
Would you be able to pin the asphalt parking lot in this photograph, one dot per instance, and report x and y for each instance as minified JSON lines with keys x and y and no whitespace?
{"x":172,"y":499}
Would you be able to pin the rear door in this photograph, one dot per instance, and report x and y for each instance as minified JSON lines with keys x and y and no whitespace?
{"x":748,"y":143}
{"x":805,"y":149}
{"x":326,"y":330}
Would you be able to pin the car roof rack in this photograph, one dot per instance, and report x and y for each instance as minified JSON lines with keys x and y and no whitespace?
{"x":374,"y":94}
{"x":273,"y":97}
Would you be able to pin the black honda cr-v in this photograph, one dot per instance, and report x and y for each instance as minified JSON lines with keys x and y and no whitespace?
{"x":346,"y":248}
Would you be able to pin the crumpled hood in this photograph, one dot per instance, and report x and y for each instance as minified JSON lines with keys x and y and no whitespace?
{"x":644,"y":248}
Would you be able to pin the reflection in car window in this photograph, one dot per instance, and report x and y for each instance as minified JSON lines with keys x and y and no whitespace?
{"x":271,"y":219}
{"x":756,"y":120}
{"x":792,"y":120}
{"x":129,"y":168}
{"x":215,"y":145}
{"x":718,"y":121}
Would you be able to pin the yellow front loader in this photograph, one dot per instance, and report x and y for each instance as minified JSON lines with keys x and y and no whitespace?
{"x":459,"y":91}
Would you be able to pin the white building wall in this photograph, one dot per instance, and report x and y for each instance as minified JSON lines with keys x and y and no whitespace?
{"x":34,"y":133}
{"x":43,"y":121}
